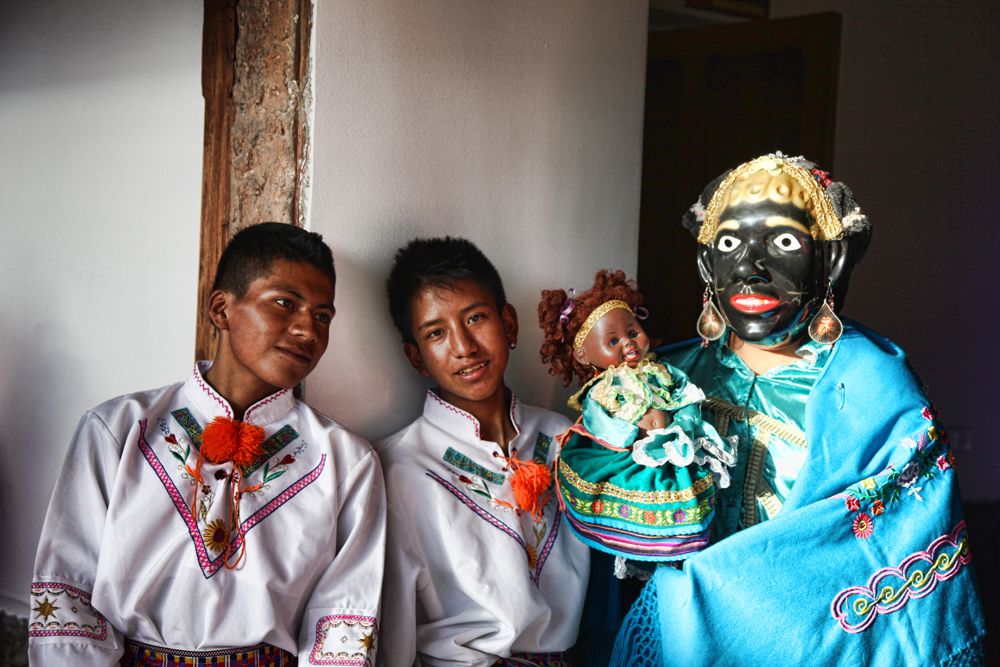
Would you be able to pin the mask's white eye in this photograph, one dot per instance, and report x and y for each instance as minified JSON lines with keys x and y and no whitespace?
{"x":787,"y":242}
{"x":728,"y":243}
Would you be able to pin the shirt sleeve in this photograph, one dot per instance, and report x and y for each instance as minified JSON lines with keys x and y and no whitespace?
{"x":340,"y":626}
{"x":402,"y":580}
{"x":64,"y":628}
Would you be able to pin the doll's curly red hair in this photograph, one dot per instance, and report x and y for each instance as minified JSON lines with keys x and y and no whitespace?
{"x":557,"y":348}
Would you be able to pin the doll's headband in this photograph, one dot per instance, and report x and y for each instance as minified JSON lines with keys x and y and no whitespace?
{"x":595,"y":315}
{"x":762,"y":179}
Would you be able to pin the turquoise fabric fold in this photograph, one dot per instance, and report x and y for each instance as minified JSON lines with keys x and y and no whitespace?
{"x":868,"y":561}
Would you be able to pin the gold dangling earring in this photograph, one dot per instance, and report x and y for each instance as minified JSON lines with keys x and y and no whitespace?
{"x":710,"y":325}
{"x":826,"y":327}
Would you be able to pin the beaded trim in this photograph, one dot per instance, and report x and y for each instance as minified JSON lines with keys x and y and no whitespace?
{"x":643,"y":497}
{"x":827,"y":226}
{"x":595,"y":315}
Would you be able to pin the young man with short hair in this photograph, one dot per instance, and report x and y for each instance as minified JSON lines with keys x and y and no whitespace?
{"x":220,"y":520}
{"x":476,"y":573}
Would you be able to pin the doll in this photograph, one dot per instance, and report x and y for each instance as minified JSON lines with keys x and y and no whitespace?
{"x":638,"y":471}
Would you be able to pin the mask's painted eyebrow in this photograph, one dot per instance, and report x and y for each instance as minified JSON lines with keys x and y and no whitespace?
{"x":781,"y":221}
{"x":728,"y":224}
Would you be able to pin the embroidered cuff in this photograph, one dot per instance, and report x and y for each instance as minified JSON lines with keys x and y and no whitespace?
{"x":344,"y":637}
{"x":62,"y":613}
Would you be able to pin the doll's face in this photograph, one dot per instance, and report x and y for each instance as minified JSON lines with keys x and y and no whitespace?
{"x":764,"y":266}
{"x":616,"y":339}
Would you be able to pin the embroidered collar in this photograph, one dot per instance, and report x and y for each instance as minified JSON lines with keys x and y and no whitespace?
{"x":209,"y":401}
{"x":463,"y":425}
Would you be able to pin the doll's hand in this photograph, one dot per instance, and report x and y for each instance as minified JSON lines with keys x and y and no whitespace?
{"x":653,"y":420}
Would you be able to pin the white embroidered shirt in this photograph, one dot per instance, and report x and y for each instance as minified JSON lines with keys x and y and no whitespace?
{"x":469,"y":577}
{"x":122,"y":553}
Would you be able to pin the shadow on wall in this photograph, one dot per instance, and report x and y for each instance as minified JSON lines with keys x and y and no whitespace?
{"x":37,"y":384}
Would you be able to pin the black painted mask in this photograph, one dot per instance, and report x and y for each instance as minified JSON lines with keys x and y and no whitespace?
{"x":764,"y":263}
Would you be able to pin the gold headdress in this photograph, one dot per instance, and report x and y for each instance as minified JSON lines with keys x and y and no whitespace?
{"x":776,"y":179}
{"x":595,"y":315}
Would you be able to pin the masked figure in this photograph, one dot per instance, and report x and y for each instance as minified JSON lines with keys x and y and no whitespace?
{"x":840,"y":539}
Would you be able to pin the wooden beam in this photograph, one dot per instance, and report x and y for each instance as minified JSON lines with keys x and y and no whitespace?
{"x":217,"y":67}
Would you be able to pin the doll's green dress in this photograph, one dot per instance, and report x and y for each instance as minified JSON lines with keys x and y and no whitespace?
{"x":646,"y":499}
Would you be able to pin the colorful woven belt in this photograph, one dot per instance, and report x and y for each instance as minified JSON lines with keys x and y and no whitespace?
{"x":557,"y":659}
{"x":138,"y":654}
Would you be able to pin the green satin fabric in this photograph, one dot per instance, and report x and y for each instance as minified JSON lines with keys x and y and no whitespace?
{"x":780,"y":393}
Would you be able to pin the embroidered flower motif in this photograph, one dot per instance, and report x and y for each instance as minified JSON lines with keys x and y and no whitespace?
{"x":868,"y":483}
{"x":679,"y":516}
{"x":877,"y":507}
{"x":863,"y":526}
{"x":597,"y":506}
{"x":852,"y":504}
{"x":942,"y":462}
{"x":624,"y":511}
{"x":649,"y":517}
{"x":909,"y":474}
{"x":909,"y":443}
{"x":464,"y":480}
{"x":933,"y":433}
{"x":532,"y":557}
{"x":926,"y":413}
{"x":215,"y":535}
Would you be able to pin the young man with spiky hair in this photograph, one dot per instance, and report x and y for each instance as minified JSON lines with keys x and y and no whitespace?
{"x":479,"y":568}
{"x":220,"y":520}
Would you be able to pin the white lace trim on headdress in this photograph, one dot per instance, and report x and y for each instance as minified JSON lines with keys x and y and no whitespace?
{"x":855,"y":220}
{"x":699,"y":211}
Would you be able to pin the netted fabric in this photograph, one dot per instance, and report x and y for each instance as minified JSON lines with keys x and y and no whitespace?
{"x":640,"y":640}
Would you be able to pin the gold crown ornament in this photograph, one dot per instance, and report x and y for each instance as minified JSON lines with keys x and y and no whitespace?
{"x":770,"y":178}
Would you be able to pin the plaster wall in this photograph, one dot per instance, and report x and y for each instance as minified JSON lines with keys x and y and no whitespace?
{"x":100,"y":177}
{"x":516,"y":124}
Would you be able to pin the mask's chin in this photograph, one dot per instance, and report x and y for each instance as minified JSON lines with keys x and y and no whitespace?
{"x":792,"y":332}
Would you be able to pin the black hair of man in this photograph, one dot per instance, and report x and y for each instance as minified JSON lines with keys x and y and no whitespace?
{"x":251,"y":252}
{"x":437,"y":262}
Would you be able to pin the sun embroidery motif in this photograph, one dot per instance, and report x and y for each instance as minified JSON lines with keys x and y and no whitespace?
{"x":215,"y":535}
{"x":45,"y":609}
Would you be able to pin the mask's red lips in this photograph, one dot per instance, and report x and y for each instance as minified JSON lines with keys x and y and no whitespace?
{"x":753,"y":303}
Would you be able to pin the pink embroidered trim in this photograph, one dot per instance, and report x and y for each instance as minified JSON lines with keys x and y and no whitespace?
{"x":497,"y":523}
{"x":513,"y":404}
{"x":211,"y":392}
{"x":269,"y":399}
{"x":323,"y":625}
{"x":549,"y":544}
{"x":210,"y":566}
{"x":68,"y":631}
{"x":856,"y":608}
{"x":455,"y":410}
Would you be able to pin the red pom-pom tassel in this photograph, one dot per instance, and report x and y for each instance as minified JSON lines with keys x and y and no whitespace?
{"x":226,"y":439}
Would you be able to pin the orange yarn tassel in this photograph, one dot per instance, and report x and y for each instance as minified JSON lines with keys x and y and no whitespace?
{"x":226,"y":439}
{"x":529,"y":482}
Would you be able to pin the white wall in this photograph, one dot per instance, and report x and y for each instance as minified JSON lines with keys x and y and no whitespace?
{"x":101,"y":121}
{"x":515,"y":123}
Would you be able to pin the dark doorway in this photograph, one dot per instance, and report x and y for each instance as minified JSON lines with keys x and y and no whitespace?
{"x":716,"y":97}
